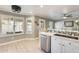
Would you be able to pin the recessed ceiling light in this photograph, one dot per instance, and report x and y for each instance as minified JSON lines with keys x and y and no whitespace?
{"x":76,"y":21}
{"x":65,"y":17}
{"x":41,"y":6}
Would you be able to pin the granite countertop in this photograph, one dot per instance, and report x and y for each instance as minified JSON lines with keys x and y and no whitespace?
{"x":46,"y":33}
{"x":60,"y":34}
{"x":67,"y":36}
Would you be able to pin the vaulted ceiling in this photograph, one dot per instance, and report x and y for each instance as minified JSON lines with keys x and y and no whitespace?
{"x":54,"y":12}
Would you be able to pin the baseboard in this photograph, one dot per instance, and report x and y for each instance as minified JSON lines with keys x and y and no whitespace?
{"x":16,"y":41}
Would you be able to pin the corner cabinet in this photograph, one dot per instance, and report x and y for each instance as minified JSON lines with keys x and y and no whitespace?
{"x":64,"y":45}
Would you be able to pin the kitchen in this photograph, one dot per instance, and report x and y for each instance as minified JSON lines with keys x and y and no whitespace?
{"x":62,"y":36}
{"x":39,"y":28}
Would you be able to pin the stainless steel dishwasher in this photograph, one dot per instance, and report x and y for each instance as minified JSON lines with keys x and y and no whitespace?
{"x":45,"y":43}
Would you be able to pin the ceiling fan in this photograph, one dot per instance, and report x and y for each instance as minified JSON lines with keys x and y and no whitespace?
{"x":65,"y":16}
{"x":16,"y":8}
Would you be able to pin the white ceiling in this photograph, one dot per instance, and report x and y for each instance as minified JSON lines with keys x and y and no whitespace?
{"x":54,"y":12}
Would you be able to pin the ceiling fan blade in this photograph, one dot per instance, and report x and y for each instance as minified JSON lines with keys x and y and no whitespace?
{"x":70,"y":15}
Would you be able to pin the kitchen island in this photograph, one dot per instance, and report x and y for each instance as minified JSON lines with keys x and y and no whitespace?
{"x":62,"y":43}
{"x":59,"y":42}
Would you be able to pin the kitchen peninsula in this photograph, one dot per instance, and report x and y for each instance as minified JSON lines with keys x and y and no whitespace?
{"x":62,"y":41}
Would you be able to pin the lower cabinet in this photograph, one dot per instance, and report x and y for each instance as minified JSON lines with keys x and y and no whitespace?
{"x":56,"y":46}
{"x":71,"y":47}
{"x":63,"y":45}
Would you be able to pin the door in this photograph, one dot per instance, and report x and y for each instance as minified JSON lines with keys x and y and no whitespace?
{"x":41,"y":25}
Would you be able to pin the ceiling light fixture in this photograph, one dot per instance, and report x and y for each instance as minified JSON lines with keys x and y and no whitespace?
{"x":65,"y":17}
{"x":16,"y":8}
{"x":76,"y":21}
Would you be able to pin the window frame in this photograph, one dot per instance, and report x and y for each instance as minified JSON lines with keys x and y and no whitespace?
{"x":29,"y":18}
{"x":2,"y":16}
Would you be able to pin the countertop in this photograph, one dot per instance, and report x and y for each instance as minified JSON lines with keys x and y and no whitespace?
{"x":74,"y":39}
{"x":65,"y":35}
{"x":47,"y":33}
{"x":59,"y":34}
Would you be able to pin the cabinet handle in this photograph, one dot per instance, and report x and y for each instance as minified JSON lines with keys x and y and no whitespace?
{"x":62,"y":44}
{"x":69,"y":43}
{"x":59,"y":43}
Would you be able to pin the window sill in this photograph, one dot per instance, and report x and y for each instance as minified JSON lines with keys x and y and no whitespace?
{"x":9,"y":35}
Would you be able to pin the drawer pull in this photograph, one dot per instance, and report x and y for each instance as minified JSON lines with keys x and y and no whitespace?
{"x":69,"y":43}
{"x":62,"y":44}
{"x":59,"y":43}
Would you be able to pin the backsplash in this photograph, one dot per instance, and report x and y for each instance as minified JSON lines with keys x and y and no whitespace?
{"x":66,"y":32}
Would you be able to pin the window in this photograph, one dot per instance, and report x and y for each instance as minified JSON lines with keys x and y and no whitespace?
{"x":18,"y":26}
{"x":50,"y":24}
{"x":11,"y":25}
{"x":29,"y":26}
{"x":7,"y":26}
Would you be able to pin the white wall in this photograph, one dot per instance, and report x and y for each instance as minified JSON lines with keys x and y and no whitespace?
{"x":60,"y":25}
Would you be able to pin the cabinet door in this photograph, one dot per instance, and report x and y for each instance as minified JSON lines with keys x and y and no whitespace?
{"x":67,"y":46}
{"x":55,"y":45}
{"x":71,"y":47}
{"x":74,"y":47}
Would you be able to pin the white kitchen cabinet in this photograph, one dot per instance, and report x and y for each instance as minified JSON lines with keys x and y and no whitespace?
{"x":56,"y":44}
{"x":67,"y":46}
{"x":64,"y":45}
{"x":71,"y":47}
